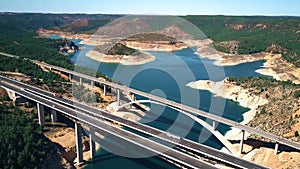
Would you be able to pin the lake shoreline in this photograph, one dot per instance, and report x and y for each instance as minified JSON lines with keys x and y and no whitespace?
{"x":275,"y":66}
{"x":236,"y":93}
{"x":129,"y":60}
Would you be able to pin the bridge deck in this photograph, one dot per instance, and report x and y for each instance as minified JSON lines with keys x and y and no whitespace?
{"x":180,"y":142}
{"x":191,"y":110}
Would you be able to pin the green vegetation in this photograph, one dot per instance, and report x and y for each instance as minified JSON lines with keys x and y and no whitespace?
{"x":35,"y":48}
{"x":149,"y":37}
{"x":86,"y":95}
{"x":85,"y":26}
{"x":17,"y":37}
{"x":91,"y":72}
{"x":22,"y":142}
{"x":120,"y":49}
{"x":262,"y":82}
{"x":276,"y":116}
{"x":30,"y":22}
{"x":296,"y":134}
{"x":253,"y":34}
{"x":297,"y":94}
{"x":37,"y":75}
{"x":17,"y":34}
{"x":28,"y":68}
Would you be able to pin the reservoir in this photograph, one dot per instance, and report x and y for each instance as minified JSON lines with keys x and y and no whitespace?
{"x":167,"y":77}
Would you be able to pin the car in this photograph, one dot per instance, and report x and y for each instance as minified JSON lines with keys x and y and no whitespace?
{"x":173,"y":136}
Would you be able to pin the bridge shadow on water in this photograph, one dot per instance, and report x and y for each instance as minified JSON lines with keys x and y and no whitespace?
{"x":256,"y":144}
{"x":103,"y":157}
{"x":139,"y":161}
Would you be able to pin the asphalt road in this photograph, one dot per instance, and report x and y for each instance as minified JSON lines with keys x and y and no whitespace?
{"x":180,"y":142}
{"x":101,"y":126}
{"x":191,"y":110}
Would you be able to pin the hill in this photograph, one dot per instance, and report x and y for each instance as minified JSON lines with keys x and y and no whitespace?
{"x":253,"y":34}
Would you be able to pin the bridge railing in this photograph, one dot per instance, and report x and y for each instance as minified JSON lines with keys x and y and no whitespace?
{"x":188,"y":109}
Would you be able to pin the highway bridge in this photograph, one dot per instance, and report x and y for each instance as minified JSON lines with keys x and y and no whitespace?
{"x":101,"y":127}
{"x":87,"y":114}
{"x":183,"y":108}
{"x":196,"y":112}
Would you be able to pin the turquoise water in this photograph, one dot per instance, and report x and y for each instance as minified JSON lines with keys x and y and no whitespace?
{"x":167,"y":76}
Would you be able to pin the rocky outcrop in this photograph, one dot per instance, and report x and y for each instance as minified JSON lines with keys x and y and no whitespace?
{"x":167,"y":46}
{"x":280,"y":69}
{"x":67,"y":47}
{"x":140,"y":59}
{"x":236,"y":93}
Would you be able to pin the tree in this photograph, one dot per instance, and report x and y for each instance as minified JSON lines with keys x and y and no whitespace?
{"x":297,"y":94}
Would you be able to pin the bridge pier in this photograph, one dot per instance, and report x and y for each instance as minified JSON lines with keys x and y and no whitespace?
{"x":133,"y":99}
{"x":92,"y":83}
{"x":118,"y":96}
{"x":70,"y":77}
{"x":53,"y":115}
{"x":80,"y":81}
{"x":92,"y":143}
{"x":242,"y":141}
{"x":78,"y":133}
{"x":276,"y":148}
{"x":41,"y":114}
{"x":11,"y":94}
{"x":104,"y":90}
{"x":214,"y":125}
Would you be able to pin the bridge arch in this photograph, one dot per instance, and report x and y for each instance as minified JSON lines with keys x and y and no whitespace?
{"x":204,"y":124}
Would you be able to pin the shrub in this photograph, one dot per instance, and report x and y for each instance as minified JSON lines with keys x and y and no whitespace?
{"x":297,"y":94}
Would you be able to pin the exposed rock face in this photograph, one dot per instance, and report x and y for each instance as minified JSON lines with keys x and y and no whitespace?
{"x":231,"y":46}
{"x":175,"y":32}
{"x":67,"y":47}
{"x":3,"y":93}
{"x":155,"y":41}
{"x":140,"y":59}
{"x":161,"y":46}
{"x":276,"y":49}
{"x":64,"y":138}
{"x":280,"y":69}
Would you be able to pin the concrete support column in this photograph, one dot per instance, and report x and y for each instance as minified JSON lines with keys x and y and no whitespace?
{"x":41,"y":114}
{"x":214,"y":125}
{"x":133,"y":99}
{"x":92,"y":83}
{"x":78,"y":133}
{"x":70,"y":77}
{"x":53,"y":115}
{"x":242,"y":141}
{"x":80,"y":81}
{"x":276,"y":148}
{"x":118,"y":96}
{"x":104,"y":90}
{"x":92,"y":143}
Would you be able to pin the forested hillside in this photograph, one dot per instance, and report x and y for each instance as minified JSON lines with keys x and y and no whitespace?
{"x":17,"y":34}
{"x":235,"y":34}
{"x":23,"y":144}
{"x":247,"y":35}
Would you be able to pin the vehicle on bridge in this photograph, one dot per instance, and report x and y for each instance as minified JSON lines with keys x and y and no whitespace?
{"x":173,"y":136}
{"x":58,"y":95}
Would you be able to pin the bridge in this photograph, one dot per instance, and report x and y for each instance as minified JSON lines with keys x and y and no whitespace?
{"x":94,"y":118}
{"x":193,"y":111}
{"x":189,"y":111}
